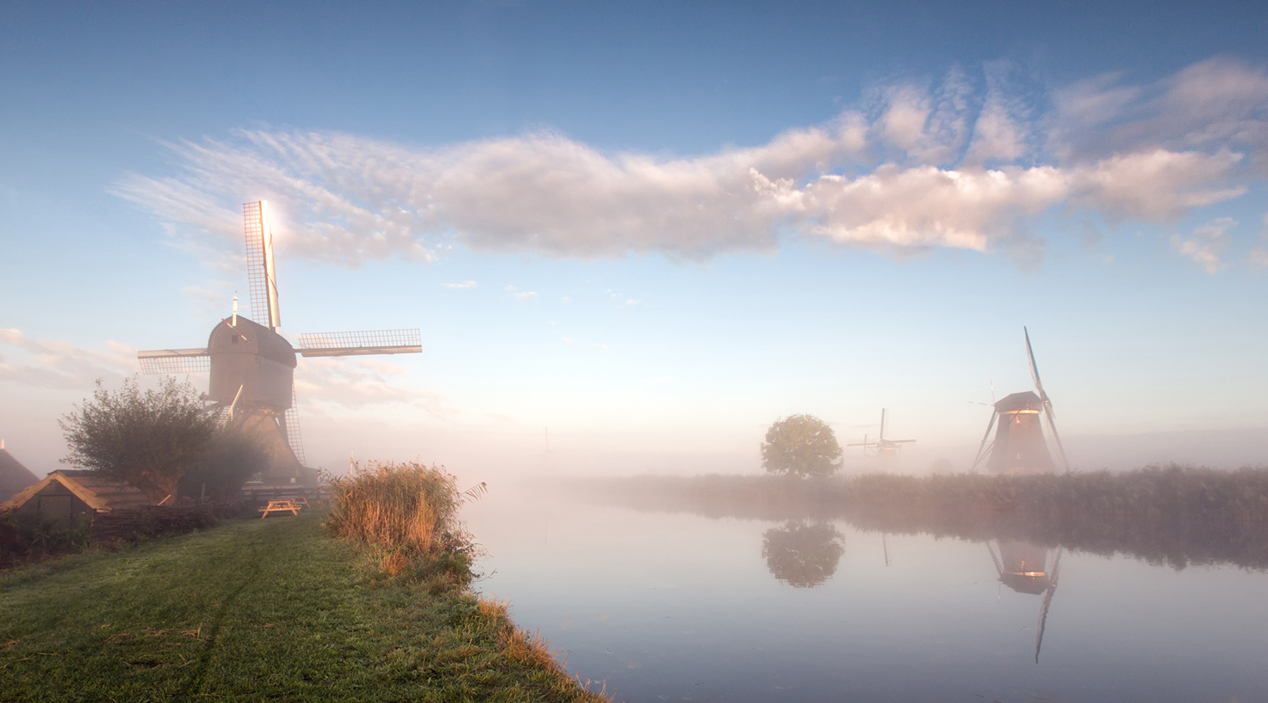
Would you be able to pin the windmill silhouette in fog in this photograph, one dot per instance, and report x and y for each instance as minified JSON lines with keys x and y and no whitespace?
{"x":1019,"y":445}
{"x":252,"y":367}
{"x":885,"y":450}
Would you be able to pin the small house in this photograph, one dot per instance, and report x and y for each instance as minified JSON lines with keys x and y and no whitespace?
{"x":65,"y":498}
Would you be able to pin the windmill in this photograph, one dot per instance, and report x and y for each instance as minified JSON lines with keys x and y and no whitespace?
{"x":1019,"y":445}
{"x":885,"y":450}
{"x":252,"y":367}
{"x":1022,"y":566}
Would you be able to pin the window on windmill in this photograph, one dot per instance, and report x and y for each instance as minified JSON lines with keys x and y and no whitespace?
{"x":234,"y":339}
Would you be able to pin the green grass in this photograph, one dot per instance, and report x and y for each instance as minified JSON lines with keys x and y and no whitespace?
{"x":258,"y":610}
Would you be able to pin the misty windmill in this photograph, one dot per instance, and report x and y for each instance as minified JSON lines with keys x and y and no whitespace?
{"x":1019,"y":445}
{"x":885,"y":450}
{"x":252,"y":367}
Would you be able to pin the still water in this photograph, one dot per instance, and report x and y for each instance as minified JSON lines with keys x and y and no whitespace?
{"x":680,"y":607}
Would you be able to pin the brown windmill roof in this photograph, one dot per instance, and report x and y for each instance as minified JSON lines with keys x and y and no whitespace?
{"x":98,"y":492}
{"x":13,"y":476}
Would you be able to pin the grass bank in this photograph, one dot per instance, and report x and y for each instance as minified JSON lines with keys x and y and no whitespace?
{"x":259,"y":610}
{"x":1176,"y":515}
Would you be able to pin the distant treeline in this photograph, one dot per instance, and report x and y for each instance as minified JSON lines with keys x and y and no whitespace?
{"x":1171,"y":515}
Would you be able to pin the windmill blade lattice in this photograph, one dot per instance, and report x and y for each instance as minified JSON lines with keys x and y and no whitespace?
{"x":174,"y":361}
{"x":408,"y":341}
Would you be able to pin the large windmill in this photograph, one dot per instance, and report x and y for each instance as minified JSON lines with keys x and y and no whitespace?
{"x":1023,"y":567}
{"x":1019,"y":445}
{"x":252,"y":367}
{"x":885,"y":450}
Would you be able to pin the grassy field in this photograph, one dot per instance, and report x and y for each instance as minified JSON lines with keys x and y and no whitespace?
{"x":258,"y":610}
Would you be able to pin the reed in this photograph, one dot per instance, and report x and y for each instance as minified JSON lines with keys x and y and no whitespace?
{"x":408,"y":505}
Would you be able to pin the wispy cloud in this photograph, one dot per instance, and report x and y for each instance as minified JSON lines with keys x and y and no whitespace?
{"x":948,"y":165}
{"x":468,"y":284}
{"x":522,"y":296}
{"x":60,"y":365}
{"x":352,"y":383}
{"x":1206,"y":244}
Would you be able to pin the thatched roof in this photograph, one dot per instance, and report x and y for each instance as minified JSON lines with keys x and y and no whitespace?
{"x":98,"y":492}
{"x":13,"y":475}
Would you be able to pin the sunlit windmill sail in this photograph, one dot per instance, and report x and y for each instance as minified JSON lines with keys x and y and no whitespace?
{"x":252,"y":367}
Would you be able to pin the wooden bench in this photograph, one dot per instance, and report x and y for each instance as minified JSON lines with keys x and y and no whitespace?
{"x":280,"y":506}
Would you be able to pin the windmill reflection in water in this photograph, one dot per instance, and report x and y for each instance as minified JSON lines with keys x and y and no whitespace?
{"x":1019,"y":447}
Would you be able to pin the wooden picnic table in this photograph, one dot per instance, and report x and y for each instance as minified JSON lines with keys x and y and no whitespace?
{"x":280,"y":506}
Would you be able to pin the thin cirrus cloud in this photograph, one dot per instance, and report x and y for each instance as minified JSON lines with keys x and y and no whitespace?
{"x":468,"y":284}
{"x":916,"y":166}
{"x":54,"y":364}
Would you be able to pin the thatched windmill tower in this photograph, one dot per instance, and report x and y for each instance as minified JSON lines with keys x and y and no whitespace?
{"x":885,"y":450}
{"x":1019,"y":445}
{"x":252,"y":367}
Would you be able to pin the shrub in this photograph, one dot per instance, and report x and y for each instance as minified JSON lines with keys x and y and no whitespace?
{"x":408,"y":505}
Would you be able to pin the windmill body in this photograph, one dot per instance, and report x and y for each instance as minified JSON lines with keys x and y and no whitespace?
{"x":252,"y":367}
{"x":1019,"y":446}
{"x":1019,"y":443}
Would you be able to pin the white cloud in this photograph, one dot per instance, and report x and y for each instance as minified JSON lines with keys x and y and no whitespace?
{"x":468,"y":284}
{"x":633,"y":301}
{"x":353,"y":383}
{"x":569,"y":341}
{"x":602,"y":347}
{"x":1206,"y":244}
{"x":522,"y":296}
{"x":60,"y":365}
{"x":921,"y":167}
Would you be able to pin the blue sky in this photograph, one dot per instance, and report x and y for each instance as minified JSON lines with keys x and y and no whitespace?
{"x":654,"y":228}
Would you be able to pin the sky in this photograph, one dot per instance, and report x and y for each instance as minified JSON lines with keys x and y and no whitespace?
{"x":635,"y":234}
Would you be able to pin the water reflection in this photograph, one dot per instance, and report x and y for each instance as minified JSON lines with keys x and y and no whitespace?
{"x":802,"y":554}
{"x":1022,"y":566}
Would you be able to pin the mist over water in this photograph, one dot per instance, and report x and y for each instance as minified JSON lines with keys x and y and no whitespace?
{"x":676,"y":605}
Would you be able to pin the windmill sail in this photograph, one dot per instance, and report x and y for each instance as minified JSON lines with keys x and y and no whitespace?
{"x":359,"y":343}
{"x":261,"y":277}
{"x":1047,"y":404}
{"x":1047,"y":603}
{"x":174,"y":361}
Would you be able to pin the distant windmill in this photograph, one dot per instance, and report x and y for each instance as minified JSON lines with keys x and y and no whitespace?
{"x":252,"y":367}
{"x":885,"y":450}
{"x":1022,"y":566}
{"x":1019,"y":446}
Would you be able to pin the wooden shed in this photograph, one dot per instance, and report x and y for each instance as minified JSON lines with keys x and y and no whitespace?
{"x":65,"y":498}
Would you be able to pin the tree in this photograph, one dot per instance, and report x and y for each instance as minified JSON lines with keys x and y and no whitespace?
{"x":231,"y":458}
{"x":802,"y":445}
{"x":148,"y":439}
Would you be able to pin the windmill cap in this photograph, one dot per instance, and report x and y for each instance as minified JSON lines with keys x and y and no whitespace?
{"x":1026,"y":400}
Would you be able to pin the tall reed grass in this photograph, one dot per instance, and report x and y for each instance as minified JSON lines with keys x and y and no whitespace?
{"x":399,"y":505}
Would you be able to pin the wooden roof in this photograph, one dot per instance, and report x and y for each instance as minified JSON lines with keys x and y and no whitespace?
{"x":13,"y":475}
{"x":99,"y":492}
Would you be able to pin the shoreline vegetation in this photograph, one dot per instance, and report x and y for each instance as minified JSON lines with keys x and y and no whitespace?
{"x":1174,"y":515}
{"x":368,"y":601}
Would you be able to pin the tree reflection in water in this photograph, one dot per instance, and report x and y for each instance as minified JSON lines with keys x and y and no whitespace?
{"x":803,"y":555}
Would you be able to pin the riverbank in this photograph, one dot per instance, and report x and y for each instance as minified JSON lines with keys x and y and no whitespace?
{"x":1175,"y":515}
{"x":259,"y":610}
